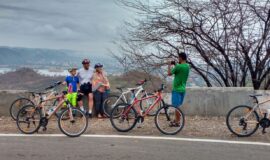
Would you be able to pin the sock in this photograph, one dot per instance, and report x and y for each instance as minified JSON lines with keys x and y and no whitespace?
{"x":90,"y":111}
{"x":82,"y":108}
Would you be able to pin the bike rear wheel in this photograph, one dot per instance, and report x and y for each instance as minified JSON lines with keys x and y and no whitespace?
{"x":242,"y":121}
{"x":169,"y":120}
{"x":110,"y":103}
{"x":17,"y":105}
{"x":123,"y":117}
{"x":73,"y":122}
{"x":28,"y":119}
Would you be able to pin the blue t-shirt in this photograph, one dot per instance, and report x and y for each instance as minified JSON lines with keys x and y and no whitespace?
{"x":73,"y":80}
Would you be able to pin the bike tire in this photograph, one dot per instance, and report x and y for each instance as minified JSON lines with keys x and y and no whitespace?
{"x":14,"y":112}
{"x":22,"y":110}
{"x":74,"y":111}
{"x":112,"y":117}
{"x":165,"y":108}
{"x":230,"y":127}
{"x":108,"y":109}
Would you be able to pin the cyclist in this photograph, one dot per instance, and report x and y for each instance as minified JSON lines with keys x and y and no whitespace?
{"x":85,"y":75}
{"x":100,"y":86}
{"x":181,"y":73}
{"x":73,"y":83}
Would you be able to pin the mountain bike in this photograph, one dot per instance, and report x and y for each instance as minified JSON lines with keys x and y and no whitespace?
{"x":114,"y":100}
{"x":72,"y":121}
{"x":33,"y":99}
{"x":169,"y":120}
{"x":244,"y":120}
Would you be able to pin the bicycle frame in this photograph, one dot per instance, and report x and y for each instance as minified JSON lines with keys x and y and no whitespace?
{"x":37,"y":97}
{"x":138,"y":90}
{"x":257,"y":107}
{"x":64,"y":100}
{"x":158,"y":99}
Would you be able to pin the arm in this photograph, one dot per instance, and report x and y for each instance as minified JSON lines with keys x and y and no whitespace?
{"x":169,"y":69}
{"x":65,"y":82}
{"x":106,"y":81}
{"x":78,"y":85}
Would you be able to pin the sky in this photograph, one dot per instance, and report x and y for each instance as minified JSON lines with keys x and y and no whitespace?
{"x":82,"y":25}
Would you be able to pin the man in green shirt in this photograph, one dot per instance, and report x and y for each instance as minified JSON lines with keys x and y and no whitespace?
{"x":180,"y":72}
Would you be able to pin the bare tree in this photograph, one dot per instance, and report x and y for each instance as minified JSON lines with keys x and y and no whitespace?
{"x":228,"y":41}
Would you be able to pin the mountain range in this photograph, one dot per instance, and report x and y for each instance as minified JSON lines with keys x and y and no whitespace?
{"x":48,"y":58}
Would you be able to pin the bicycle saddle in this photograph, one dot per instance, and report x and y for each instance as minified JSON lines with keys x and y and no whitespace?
{"x":120,"y":88}
{"x":255,"y":95}
{"x":141,"y":82}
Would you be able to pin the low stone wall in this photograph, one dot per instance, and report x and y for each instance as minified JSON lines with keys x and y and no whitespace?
{"x":217,"y":101}
{"x":201,"y":101}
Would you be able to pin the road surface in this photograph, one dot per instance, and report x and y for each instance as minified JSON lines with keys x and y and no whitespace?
{"x":121,"y":148}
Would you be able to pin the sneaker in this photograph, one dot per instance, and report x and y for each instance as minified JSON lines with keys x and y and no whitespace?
{"x":139,"y":124}
{"x":89,"y":115}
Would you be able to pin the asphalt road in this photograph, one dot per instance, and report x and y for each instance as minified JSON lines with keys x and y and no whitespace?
{"x":94,"y":148}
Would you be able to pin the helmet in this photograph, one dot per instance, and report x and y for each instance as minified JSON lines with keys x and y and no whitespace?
{"x":86,"y":61}
{"x":72,"y":68}
{"x":98,"y":65}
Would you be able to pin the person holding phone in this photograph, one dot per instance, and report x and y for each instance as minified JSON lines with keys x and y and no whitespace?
{"x":180,"y":71}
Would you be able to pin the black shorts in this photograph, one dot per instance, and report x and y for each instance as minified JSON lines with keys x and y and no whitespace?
{"x":86,"y":88}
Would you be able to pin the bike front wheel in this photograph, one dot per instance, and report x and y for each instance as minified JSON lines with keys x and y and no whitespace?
{"x":169,"y":120}
{"x":242,"y":121}
{"x":72,"y":122}
{"x":123,"y":117}
{"x":28,"y":119}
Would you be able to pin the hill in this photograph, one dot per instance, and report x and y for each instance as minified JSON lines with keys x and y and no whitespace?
{"x":48,"y":58}
{"x":26,"y":79}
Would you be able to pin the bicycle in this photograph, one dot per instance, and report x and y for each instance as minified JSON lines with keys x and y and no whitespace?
{"x":244,"y":120}
{"x":114,"y":100}
{"x":124,"y":116}
{"x":31,"y":117}
{"x":17,"y":104}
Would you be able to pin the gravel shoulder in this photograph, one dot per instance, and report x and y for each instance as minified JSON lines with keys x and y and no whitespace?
{"x":196,"y":127}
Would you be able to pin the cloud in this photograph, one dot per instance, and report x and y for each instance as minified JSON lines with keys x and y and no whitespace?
{"x":66,"y":24}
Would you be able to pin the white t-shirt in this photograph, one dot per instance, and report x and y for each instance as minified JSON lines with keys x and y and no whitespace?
{"x":85,"y":76}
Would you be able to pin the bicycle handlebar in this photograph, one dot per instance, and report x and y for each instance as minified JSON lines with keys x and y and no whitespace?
{"x":54,"y":85}
{"x":161,"y":88}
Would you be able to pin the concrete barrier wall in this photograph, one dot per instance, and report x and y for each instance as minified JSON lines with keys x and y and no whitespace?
{"x":198,"y":101}
{"x":217,"y":101}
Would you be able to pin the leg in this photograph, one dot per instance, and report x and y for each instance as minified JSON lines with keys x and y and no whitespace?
{"x":97,"y":98}
{"x":181,"y":100}
{"x":74,"y":99}
{"x":80,"y":101}
{"x":104,"y":96}
{"x":90,"y":102}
